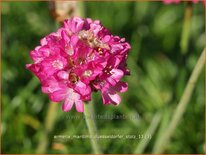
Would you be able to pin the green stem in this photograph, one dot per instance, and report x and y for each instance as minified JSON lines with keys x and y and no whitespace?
{"x":89,"y":117}
{"x":150,"y":131}
{"x":186,"y":28}
{"x":82,"y":10}
{"x":49,"y":125}
{"x":181,"y":107}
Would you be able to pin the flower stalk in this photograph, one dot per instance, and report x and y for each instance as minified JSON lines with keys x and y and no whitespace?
{"x":150,"y":131}
{"x":48,"y":127}
{"x":186,"y":28}
{"x":181,"y":107}
{"x":91,"y":125}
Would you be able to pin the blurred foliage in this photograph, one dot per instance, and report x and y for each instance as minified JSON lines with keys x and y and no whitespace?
{"x":159,"y":73}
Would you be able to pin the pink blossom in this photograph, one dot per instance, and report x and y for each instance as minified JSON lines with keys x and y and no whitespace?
{"x":110,"y":95}
{"x":80,"y":58}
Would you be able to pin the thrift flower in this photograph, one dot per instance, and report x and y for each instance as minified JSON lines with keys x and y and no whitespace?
{"x":80,"y":58}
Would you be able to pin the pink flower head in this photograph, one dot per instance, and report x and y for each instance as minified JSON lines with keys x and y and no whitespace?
{"x":81,"y":57}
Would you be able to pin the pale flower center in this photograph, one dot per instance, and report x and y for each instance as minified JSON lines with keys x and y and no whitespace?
{"x":57,"y":64}
{"x":87,"y":73}
{"x":70,"y":51}
{"x":91,"y":40}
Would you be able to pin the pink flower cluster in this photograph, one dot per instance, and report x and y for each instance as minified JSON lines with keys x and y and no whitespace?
{"x":177,"y":1}
{"x":81,"y":57}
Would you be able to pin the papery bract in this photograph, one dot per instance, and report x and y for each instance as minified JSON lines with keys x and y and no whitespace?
{"x":81,"y":57}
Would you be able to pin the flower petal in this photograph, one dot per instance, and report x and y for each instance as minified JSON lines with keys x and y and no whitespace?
{"x":106,"y":98}
{"x":82,"y":89}
{"x":116,"y":75}
{"x":79,"y":106}
{"x":120,"y":87}
{"x":111,"y":97}
{"x":75,"y":24}
{"x":63,"y":75}
{"x":116,"y":99}
{"x":58,"y":95}
{"x":67,"y":105}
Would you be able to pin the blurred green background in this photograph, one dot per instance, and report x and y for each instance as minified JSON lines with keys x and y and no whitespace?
{"x":159,"y":73}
